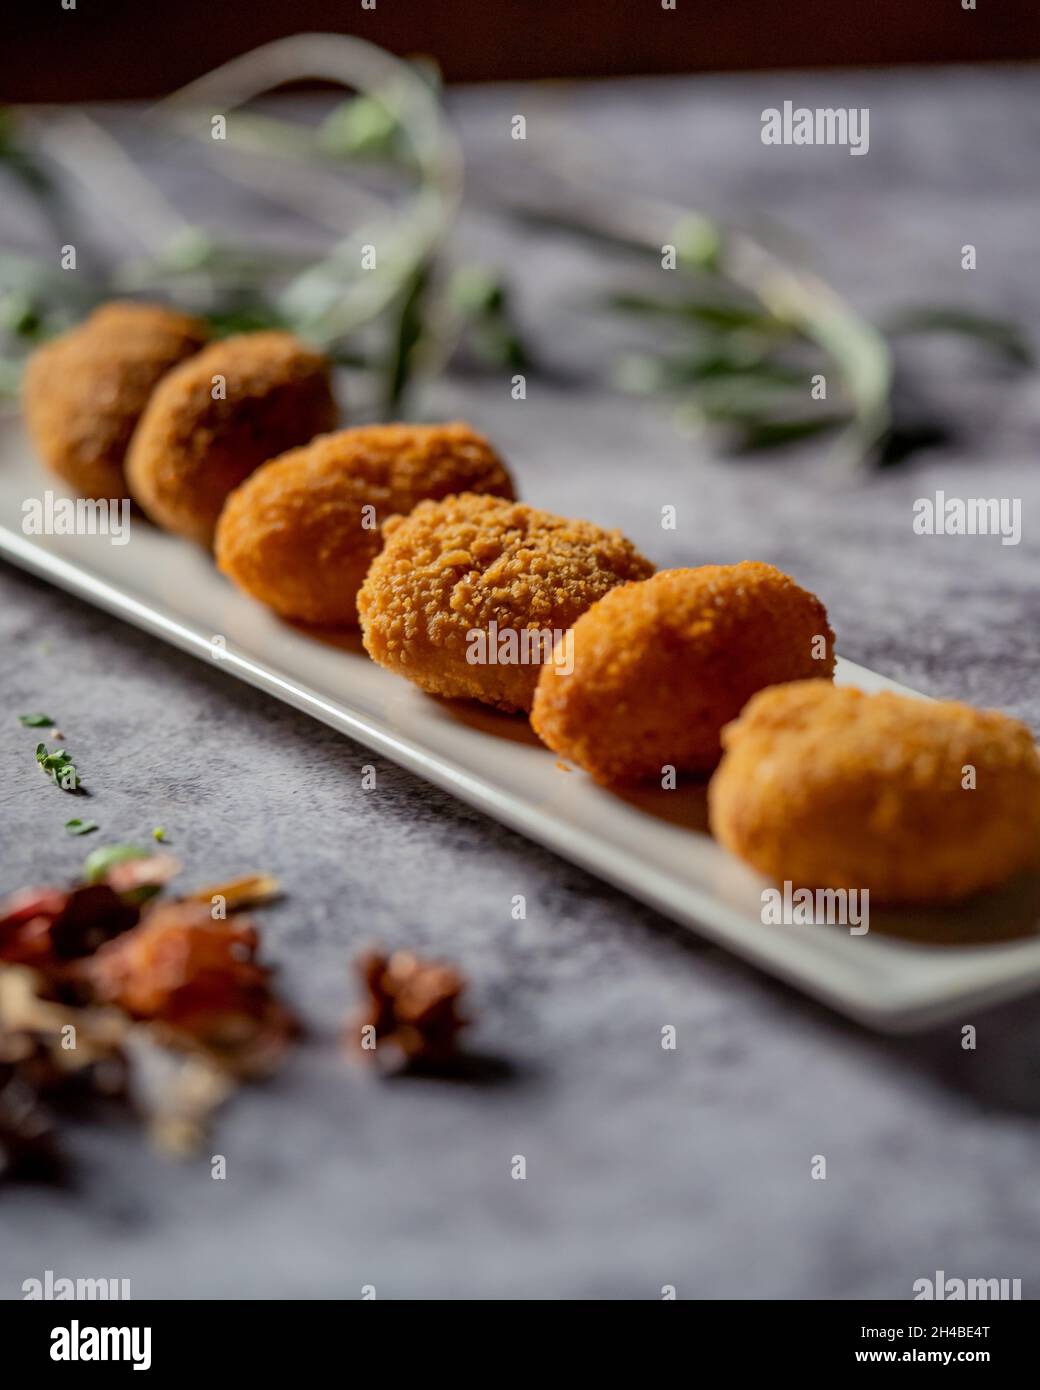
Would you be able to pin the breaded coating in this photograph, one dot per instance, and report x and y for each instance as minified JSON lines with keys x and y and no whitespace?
{"x":915,"y":800}
{"x":300,"y":533}
{"x":463,"y":578}
{"x":85,"y":391}
{"x":214,"y":419}
{"x":661,"y":666}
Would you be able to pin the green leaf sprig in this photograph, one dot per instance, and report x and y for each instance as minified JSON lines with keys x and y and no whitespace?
{"x":80,"y":827}
{"x":59,"y":766}
{"x":740,"y":334}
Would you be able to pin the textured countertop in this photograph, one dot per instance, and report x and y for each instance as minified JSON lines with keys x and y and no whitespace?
{"x":644,"y":1167}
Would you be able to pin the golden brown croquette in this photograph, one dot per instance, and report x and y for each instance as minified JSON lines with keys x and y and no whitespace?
{"x":466,"y":587}
{"x":85,"y":391}
{"x":216,"y":418}
{"x":660,"y":667}
{"x":300,"y":533}
{"x":915,"y":800}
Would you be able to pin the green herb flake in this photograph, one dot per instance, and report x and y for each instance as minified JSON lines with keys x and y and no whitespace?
{"x":159,"y":833}
{"x":98,"y":863}
{"x":59,"y":767}
{"x":35,"y":721}
{"x":80,"y":827}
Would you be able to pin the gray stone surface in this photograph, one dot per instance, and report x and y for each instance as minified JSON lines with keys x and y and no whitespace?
{"x":645,"y":1167}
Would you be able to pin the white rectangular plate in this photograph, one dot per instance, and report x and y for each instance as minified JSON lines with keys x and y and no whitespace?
{"x":911,"y":970}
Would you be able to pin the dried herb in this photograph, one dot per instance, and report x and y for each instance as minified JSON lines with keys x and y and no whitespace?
{"x":178,"y":1092}
{"x":139,"y":879}
{"x":157,"y":1002}
{"x":76,"y":826}
{"x":247,"y":891}
{"x":59,"y":767}
{"x":48,"y":1051}
{"x":54,"y":1042}
{"x":91,"y":916}
{"x":411,"y":1009}
{"x":98,"y":863}
{"x":27,"y":1142}
{"x":200,"y":977}
{"x":50,"y":930}
{"x":134,"y":872}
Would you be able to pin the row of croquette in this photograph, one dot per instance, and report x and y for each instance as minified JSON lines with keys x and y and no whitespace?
{"x":414,"y":532}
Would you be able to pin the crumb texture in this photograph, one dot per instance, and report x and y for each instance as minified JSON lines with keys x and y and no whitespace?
{"x":217,"y":417}
{"x":456,"y":566}
{"x":85,"y":391}
{"x":918,"y":801}
{"x":660,"y":667}
{"x":300,"y":533}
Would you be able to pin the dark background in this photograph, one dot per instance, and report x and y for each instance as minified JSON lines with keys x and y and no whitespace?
{"x":107,"y":49}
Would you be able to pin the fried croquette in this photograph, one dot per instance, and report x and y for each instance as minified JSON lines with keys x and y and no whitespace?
{"x":915,"y":800}
{"x":300,"y":533}
{"x":214,"y":419}
{"x":660,"y":667}
{"x":469,"y":594}
{"x":85,"y":391}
